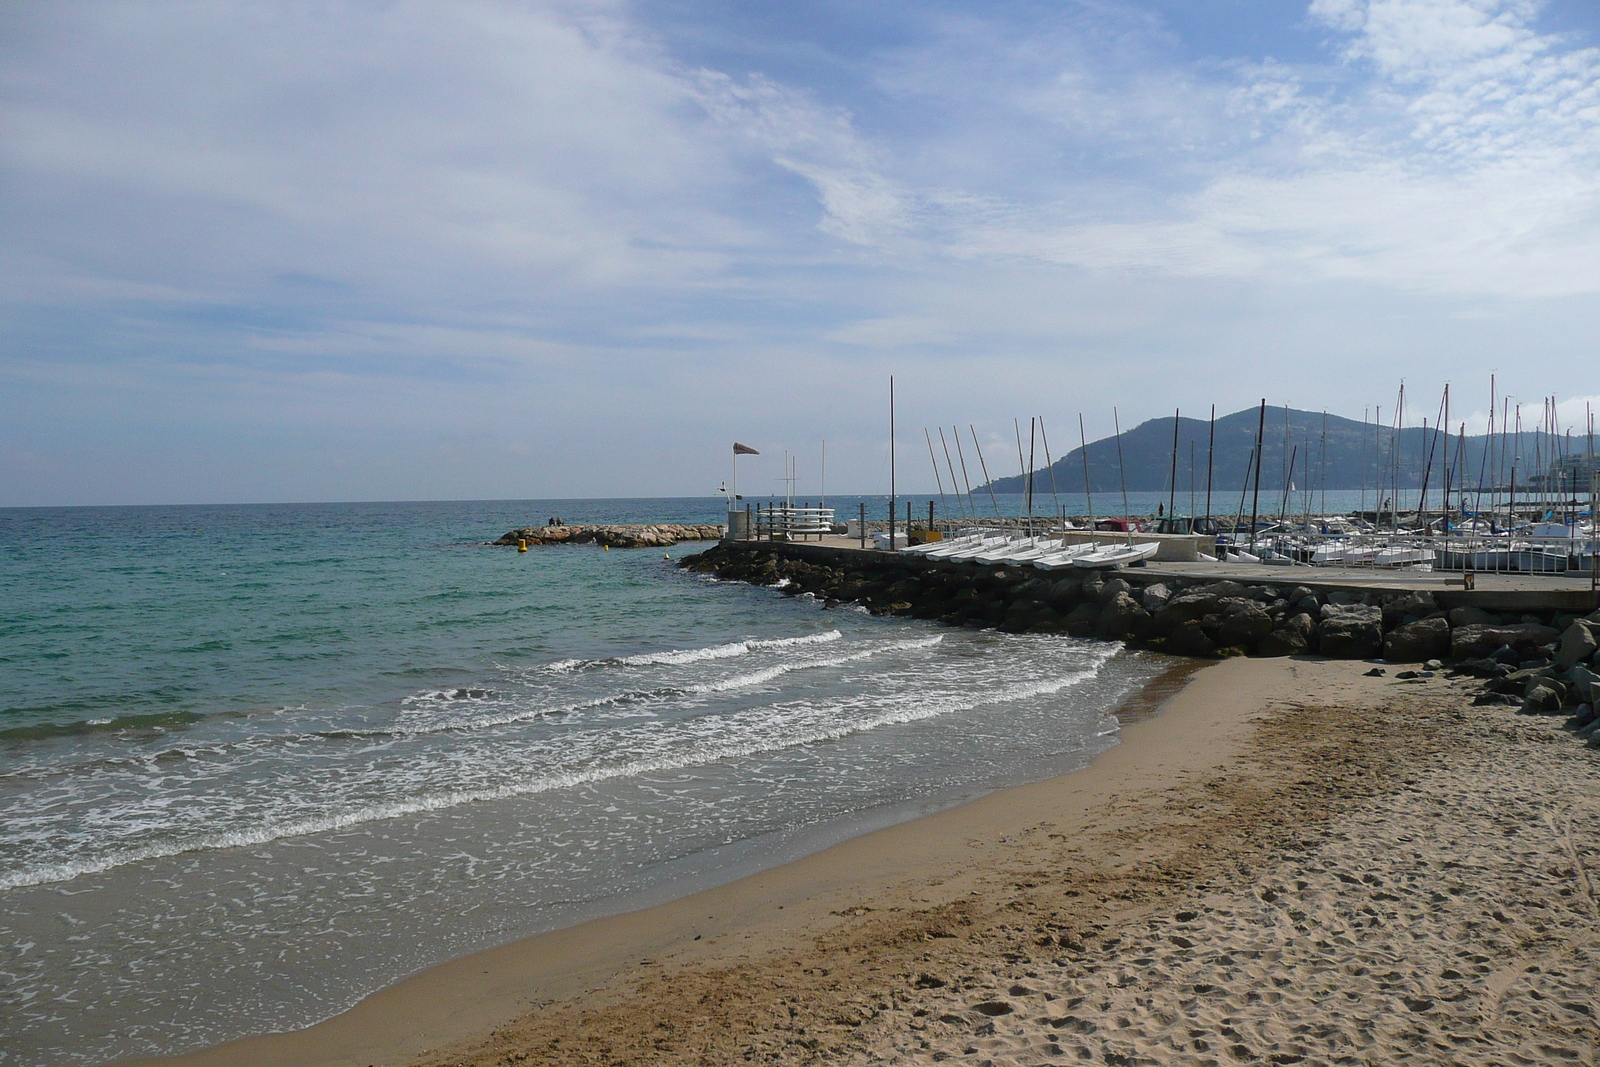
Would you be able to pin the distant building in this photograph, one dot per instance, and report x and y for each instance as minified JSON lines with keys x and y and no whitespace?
{"x":1570,"y":474}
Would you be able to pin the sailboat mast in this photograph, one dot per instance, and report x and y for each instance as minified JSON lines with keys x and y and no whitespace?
{"x":937,"y":478}
{"x":892,"y":494}
{"x":1211,"y":454}
{"x":966,"y":479}
{"x":1051,"y":467}
{"x":985,"y":468}
{"x":1083,"y":450}
{"x":1021,"y":467}
{"x":1172,"y":482}
{"x":1255,"y":500}
{"x":1322,"y":465}
{"x":955,"y":486}
{"x":1031,"y":426}
{"x":1122,"y":474}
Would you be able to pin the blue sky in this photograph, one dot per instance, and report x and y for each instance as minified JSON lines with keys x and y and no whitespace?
{"x":284,"y":251}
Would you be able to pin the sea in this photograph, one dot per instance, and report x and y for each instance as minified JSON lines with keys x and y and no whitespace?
{"x":259,"y":761}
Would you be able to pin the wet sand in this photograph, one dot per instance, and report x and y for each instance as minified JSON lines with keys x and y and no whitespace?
{"x":1289,"y":863}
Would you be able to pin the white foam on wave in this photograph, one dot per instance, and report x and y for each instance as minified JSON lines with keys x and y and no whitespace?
{"x":724,"y":685}
{"x":678,"y":656}
{"x":768,"y":733}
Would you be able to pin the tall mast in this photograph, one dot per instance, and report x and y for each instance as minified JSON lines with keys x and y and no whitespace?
{"x":972,"y":501}
{"x":955,"y":486}
{"x":985,"y":468}
{"x":1322,"y":465}
{"x":1172,"y":483}
{"x":1021,"y":467}
{"x":1083,"y":450}
{"x":1211,"y":453}
{"x":1122,"y":474}
{"x":893,"y":499}
{"x":1255,"y":499}
{"x":1032,"y":421}
{"x":1051,"y":467}
{"x":937,"y":478}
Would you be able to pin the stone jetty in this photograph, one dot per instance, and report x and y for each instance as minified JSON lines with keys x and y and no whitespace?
{"x":659,"y":535}
{"x":1545,"y":662}
{"x":1548,"y":660}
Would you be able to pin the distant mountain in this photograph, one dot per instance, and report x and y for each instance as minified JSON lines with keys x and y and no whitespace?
{"x":1356,"y":454}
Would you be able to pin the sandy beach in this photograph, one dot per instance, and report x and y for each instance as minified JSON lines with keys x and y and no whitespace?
{"x":1289,"y":862}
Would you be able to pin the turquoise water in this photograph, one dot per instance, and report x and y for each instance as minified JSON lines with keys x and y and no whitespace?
{"x":260,"y":761}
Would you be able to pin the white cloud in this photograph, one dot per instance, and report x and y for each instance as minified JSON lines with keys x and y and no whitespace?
{"x":1465,"y":162}
{"x":821,"y":145}
{"x":449,"y":218}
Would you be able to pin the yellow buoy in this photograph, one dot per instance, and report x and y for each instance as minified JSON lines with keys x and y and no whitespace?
{"x":522,"y":544}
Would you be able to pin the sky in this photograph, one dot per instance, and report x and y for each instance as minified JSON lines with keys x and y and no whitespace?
{"x":286,"y":251}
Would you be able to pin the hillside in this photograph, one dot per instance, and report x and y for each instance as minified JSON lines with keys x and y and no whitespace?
{"x":1356,"y":454}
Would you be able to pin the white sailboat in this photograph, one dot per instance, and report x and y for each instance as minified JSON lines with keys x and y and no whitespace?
{"x":1116,"y":556}
{"x":1061,"y":559}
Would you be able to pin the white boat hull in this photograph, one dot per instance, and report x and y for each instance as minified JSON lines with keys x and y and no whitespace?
{"x":1115,"y":556}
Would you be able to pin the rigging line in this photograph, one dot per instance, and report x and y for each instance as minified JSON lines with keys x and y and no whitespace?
{"x":972,"y":501}
{"x":1051,"y":467}
{"x":955,"y":486}
{"x":1022,"y":470}
{"x":939,"y":481}
{"x":1127,"y":519}
{"x":988,"y":481}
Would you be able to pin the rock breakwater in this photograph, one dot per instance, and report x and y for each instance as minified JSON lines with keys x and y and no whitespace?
{"x":1188,"y":617}
{"x":658,"y":535}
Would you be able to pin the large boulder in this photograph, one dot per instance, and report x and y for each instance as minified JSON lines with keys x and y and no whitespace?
{"x":1222,"y":589}
{"x":1470,"y":616}
{"x":1578,"y":644}
{"x":1189,"y":639}
{"x":1586,"y":685}
{"x":1064,"y":593}
{"x":1417,"y":642}
{"x":1114,"y":588}
{"x":1122,"y":617}
{"x":1243,"y":624}
{"x":1154,"y":597}
{"x":1189,"y":606}
{"x":1541,"y":700}
{"x":1350,"y":631}
{"x":1477,"y":641}
{"x":1297,"y":635}
{"x":1418,"y":604}
{"x":1082,"y":620}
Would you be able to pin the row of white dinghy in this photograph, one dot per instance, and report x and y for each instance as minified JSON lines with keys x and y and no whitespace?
{"x":1045,"y":553}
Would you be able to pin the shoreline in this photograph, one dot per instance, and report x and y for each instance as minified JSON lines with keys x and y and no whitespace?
{"x":1167,"y":726}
